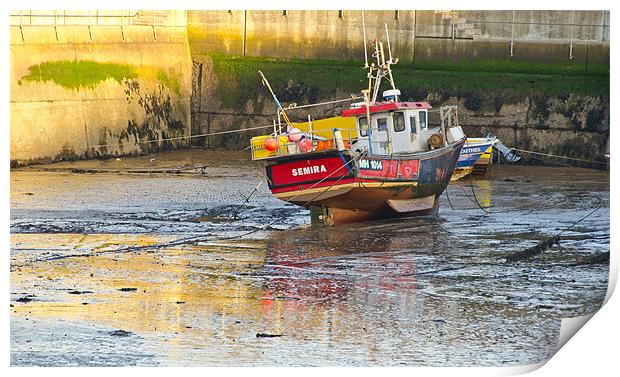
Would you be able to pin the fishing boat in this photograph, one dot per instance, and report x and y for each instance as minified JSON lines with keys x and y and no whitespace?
{"x":476,"y":156}
{"x":392,"y":163}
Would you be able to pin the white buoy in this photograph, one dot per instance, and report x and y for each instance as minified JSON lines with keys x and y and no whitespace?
{"x":338,"y":139}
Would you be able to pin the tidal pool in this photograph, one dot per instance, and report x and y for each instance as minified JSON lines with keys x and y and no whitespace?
{"x":159,"y":260}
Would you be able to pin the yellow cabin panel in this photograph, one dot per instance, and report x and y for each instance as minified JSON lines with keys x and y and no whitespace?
{"x":324,"y":127}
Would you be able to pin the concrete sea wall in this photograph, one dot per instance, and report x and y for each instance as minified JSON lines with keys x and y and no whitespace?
{"x":564,"y":115}
{"x":537,"y":79}
{"x":87,"y":91}
{"x":577,"y":39}
{"x":124,"y":82}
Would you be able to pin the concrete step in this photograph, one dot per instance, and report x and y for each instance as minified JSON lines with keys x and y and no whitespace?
{"x":472,"y":31}
{"x":447,"y":14}
{"x":463,"y":28}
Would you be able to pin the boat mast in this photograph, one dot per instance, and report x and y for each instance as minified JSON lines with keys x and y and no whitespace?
{"x":365,"y":43}
{"x":366,"y":92}
{"x":391,"y":61}
{"x":280,"y":108}
{"x":379,"y":69}
{"x":383,"y":67}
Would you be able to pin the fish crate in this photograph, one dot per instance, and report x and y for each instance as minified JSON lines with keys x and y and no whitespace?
{"x":259,"y":151}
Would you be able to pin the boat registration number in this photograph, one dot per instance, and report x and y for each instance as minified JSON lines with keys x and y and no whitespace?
{"x":371,"y":164}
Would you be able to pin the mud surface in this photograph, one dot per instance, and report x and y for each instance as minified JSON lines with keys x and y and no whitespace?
{"x":156,"y":260}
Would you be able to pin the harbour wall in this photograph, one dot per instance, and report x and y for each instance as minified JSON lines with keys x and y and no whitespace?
{"x":540,"y":80}
{"x":83,"y":91}
{"x":557,"y":114}
{"x":576,"y":39}
{"x":116,"y":84}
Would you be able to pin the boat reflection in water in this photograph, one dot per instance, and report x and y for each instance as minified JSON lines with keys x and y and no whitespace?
{"x":412,"y":291}
{"x":320,"y":266}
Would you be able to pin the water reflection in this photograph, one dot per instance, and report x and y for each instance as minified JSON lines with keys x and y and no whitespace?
{"x":405,"y":292}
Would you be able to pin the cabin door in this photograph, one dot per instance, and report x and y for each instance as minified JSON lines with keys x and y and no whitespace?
{"x":399,"y":133}
{"x":379,"y":136}
{"x":418,"y":135}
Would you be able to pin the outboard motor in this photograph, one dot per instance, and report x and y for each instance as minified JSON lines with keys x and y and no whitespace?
{"x":509,"y":154}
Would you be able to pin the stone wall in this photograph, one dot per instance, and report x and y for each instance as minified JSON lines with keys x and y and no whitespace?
{"x":80,"y":91}
{"x":575,"y":38}
{"x":102,"y":90}
{"x":568,"y":116}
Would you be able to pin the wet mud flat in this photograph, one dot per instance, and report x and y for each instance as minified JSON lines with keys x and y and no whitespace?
{"x":159,"y":260}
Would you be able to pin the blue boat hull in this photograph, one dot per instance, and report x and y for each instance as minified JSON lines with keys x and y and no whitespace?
{"x":470,"y":154}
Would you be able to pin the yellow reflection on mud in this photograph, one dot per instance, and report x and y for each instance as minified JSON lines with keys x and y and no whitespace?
{"x":143,"y":291}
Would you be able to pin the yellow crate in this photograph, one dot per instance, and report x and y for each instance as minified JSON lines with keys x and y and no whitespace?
{"x":258,"y":147}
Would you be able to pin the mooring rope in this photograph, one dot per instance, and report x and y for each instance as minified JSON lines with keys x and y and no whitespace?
{"x":548,"y":242}
{"x":564,"y":157}
{"x":295,"y":107}
{"x":188,"y":240}
{"x":448,"y":197}
{"x":164,"y":139}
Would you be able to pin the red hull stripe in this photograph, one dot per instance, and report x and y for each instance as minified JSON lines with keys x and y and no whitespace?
{"x":307,"y":171}
{"x":386,"y":107}
{"x":318,"y":185}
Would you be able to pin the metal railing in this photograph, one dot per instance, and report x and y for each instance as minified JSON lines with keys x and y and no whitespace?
{"x":93,"y":18}
{"x":569,"y":22}
{"x":259,"y":151}
{"x":509,"y":26}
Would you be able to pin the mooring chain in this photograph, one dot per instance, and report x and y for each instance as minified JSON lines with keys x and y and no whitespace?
{"x":550,"y":241}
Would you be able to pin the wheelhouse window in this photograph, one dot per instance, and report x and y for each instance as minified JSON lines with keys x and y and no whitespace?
{"x":422,"y":115}
{"x":399,"y":122}
{"x":363,"y":125}
{"x":382,"y":124}
{"x":414,"y":125}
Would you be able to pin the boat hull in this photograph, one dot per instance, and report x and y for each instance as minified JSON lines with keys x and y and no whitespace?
{"x":473,"y":153}
{"x":339,"y":188}
{"x":474,"y":158}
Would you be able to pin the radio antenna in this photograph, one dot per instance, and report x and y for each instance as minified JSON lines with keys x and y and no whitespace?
{"x":391,"y":61}
{"x":365,"y":43}
{"x":387,"y":34}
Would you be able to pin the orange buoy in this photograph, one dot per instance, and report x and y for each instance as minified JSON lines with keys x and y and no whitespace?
{"x":271,"y":145}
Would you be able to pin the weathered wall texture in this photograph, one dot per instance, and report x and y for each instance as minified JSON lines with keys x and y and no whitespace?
{"x":416,"y":36}
{"x":298,"y":34}
{"x":544,"y":26}
{"x":567,"y":116}
{"x":79,"y":91}
{"x":575,"y":125}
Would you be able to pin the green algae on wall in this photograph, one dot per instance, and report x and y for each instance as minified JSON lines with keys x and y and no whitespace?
{"x":530,"y":105}
{"x":75,"y":74}
{"x":305,"y":81}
